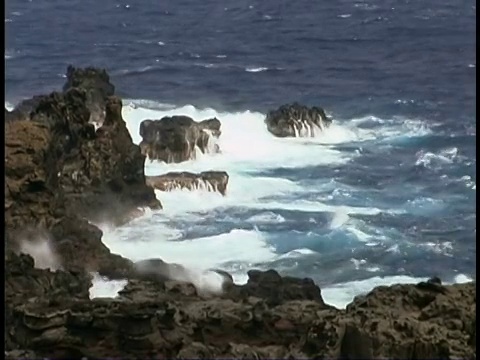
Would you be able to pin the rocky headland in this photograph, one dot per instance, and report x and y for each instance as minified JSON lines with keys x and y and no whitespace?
{"x":70,"y":162}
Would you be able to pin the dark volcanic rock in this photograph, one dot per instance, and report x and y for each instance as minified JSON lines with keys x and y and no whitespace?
{"x":296,"y":121}
{"x":412,"y":322}
{"x":175,"y":139}
{"x":97,"y":86}
{"x":276,"y":290}
{"x":169,"y":319}
{"x":59,"y":170}
{"x":209,"y":180}
{"x":23,"y":109}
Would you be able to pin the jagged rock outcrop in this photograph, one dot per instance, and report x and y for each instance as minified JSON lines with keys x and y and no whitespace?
{"x":23,"y":109}
{"x":171,"y":319}
{"x":208,"y":180}
{"x":60,"y":172}
{"x":296,"y":120}
{"x":58,"y":156}
{"x":174,"y":139}
{"x":96,"y":84}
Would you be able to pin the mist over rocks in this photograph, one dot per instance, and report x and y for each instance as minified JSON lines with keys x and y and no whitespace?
{"x":175,"y":139}
{"x":63,"y":174}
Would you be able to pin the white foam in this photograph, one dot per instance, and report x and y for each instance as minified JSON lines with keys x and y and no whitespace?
{"x":297,"y":253}
{"x":340,"y":217}
{"x":341,"y":295}
{"x":256,"y":69}
{"x":104,"y":288}
{"x":357,"y":263}
{"x":442,"y":248}
{"x":247,"y":246}
{"x":267,"y":217}
{"x":430,"y":159}
{"x":393,"y":128}
{"x":9,"y":106}
{"x":181,"y":202}
{"x":462,"y":279}
{"x":317,"y":206}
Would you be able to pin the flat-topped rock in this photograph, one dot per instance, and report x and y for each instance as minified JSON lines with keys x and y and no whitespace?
{"x":214,"y":181}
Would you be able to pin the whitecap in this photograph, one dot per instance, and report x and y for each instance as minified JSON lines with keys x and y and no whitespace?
{"x":297,"y":253}
{"x":441,"y":248}
{"x":202,"y":253}
{"x":255,"y":69}
{"x":267,"y":217}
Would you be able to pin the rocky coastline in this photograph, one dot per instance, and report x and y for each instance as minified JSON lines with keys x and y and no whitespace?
{"x":70,"y":163}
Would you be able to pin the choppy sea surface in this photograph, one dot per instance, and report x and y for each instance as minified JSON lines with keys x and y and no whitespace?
{"x":387,"y":194}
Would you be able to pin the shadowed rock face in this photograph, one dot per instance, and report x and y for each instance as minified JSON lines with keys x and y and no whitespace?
{"x":175,"y":139}
{"x":297,"y":121}
{"x":59,"y":171}
{"x":209,"y":180}
{"x":97,"y":86}
{"x":94,"y":82}
{"x":23,"y":109}
{"x":269,"y":317}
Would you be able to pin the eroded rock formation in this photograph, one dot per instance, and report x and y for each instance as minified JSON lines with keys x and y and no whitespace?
{"x":296,"y":120}
{"x":208,"y":180}
{"x":174,"y":139}
{"x":97,"y":87}
{"x":274,"y":318}
{"x":61,"y":172}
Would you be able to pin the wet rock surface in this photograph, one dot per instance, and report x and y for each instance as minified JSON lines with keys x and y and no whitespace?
{"x":61,"y":172}
{"x":269,"y":317}
{"x":97,"y":86}
{"x":174,"y":139}
{"x":214,"y":181}
{"x":295,"y":120}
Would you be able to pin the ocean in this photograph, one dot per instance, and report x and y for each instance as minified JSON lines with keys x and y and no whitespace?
{"x":385,"y":195}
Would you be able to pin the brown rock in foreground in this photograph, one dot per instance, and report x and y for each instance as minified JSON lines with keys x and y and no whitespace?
{"x":275,"y":318}
{"x":60,"y":171}
{"x":209,"y":180}
{"x":174,"y":139}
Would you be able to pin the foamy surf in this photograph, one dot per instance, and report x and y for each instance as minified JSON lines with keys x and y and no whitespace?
{"x":247,"y":151}
{"x":256,"y":69}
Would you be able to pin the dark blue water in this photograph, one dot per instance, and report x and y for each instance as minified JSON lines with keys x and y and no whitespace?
{"x":409,"y":64}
